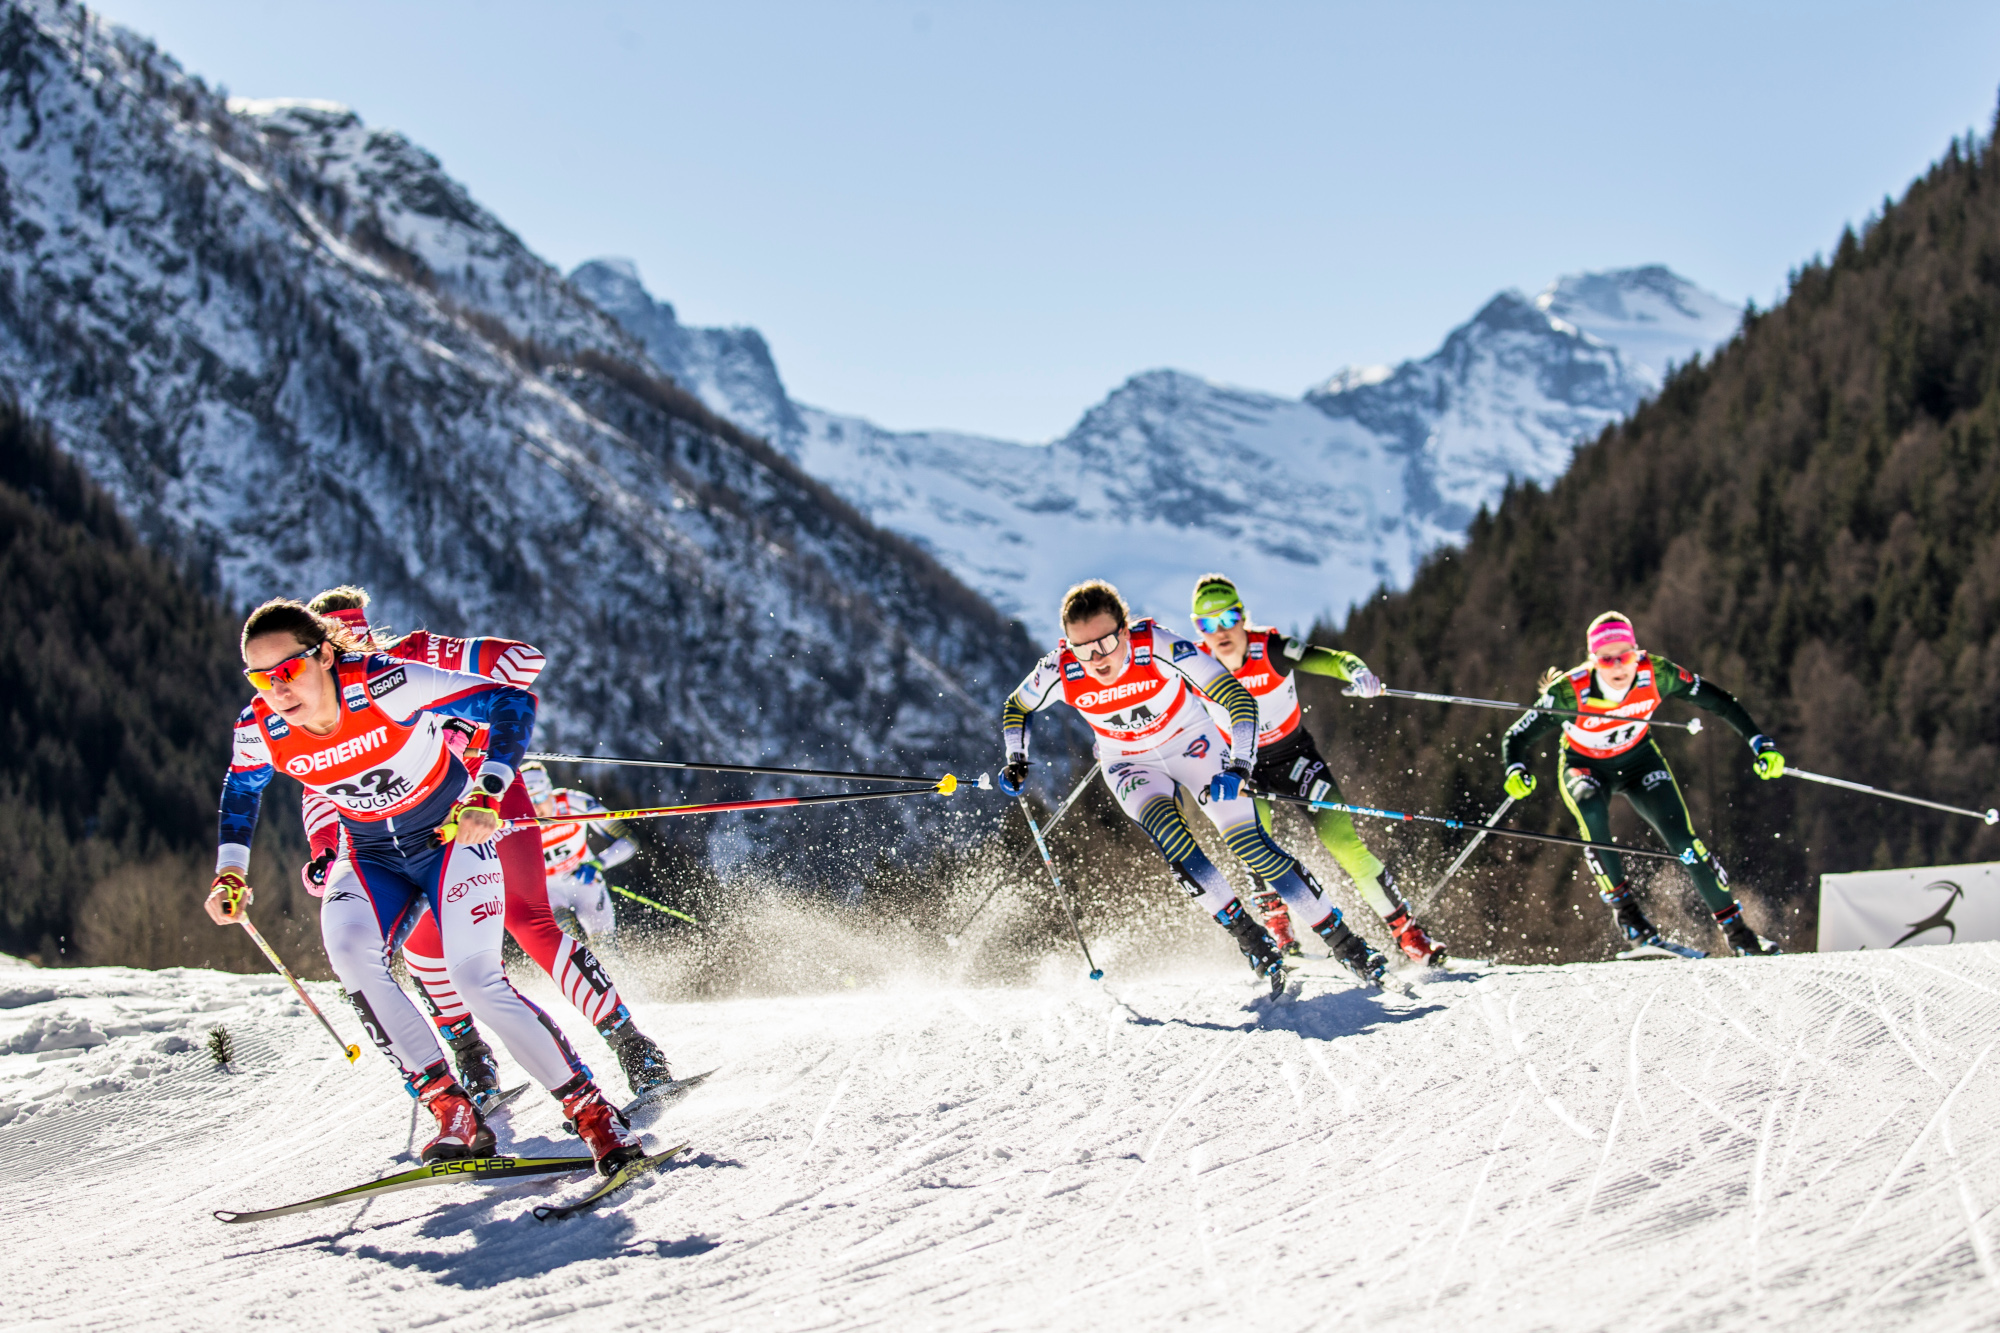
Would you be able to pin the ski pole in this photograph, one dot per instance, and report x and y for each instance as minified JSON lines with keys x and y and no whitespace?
{"x":1470,"y":848}
{"x":944,"y":786}
{"x":658,"y":907}
{"x":1062,"y":894}
{"x":738,"y":768}
{"x":1990,"y":816}
{"x":348,"y":1049}
{"x":1692,"y":726}
{"x":951,"y":936}
{"x":1687,"y":858}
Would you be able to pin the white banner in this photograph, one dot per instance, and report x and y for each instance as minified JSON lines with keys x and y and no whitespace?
{"x":1898,"y":909}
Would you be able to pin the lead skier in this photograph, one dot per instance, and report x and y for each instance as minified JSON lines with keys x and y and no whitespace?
{"x":367,"y":732}
{"x":577,"y":972}
{"x":1611,"y":751}
{"x":1288,"y":759}
{"x":1139,"y":687}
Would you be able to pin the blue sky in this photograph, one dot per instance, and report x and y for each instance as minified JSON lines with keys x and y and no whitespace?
{"x":986,"y":216}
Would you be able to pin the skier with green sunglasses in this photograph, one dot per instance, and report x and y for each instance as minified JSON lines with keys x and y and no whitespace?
{"x":1288,"y":759}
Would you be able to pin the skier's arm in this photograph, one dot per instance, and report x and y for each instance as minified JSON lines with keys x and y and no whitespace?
{"x":1677,"y":682}
{"x":1032,"y":694}
{"x":404,"y":689}
{"x":1317,"y":661}
{"x":1519,"y":743}
{"x":1217,"y":684}
{"x":506,"y":660}
{"x":620,"y":849}
{"x":243,"y":786}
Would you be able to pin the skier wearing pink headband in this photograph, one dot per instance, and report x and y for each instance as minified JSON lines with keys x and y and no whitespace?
{"x":1610,"y":751}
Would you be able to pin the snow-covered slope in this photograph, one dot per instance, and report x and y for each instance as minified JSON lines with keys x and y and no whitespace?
{"x":298,"y":352}
{"x":1310,"y":502}
{"x":1802,"y":1143}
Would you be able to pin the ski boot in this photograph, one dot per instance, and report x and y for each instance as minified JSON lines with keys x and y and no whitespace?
{"x":644,"y":1063}
{"x":1741,"y":938}
{"x":1350,"y":950}
{"x":1631,"y":920}
{"x":1259,"y":949}
{"x":600,"y":1124}
{"x":462,"y":1131}
{"x":478,"y":1072}
{"x":1278,"y":921}
{"x":1412,"y":939}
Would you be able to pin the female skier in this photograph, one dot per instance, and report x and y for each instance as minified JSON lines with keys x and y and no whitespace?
{"x":1140,"y":688}
{"x":1288,"y":760}
{"x":1610,"y":751}
{"x":577,"y":972}
{"x":366,"y":731}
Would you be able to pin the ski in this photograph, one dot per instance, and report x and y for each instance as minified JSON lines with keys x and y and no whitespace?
{"x":672,"y":1090}
{"x":430,"y":1173}
{"x":617,"y":1180}
{"x":1662,"y":948}
{"x":497,"y":1100}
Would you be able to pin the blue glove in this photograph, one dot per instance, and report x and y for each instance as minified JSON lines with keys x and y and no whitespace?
{"x":1014,"y":777}
{"x":1226,"y":785}
{"x":589,"y":872}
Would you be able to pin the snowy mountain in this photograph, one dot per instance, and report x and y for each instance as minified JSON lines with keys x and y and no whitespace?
{"x":1310,"y":502}
{"x":1799,"y":1143}
{"x":298,"y":353}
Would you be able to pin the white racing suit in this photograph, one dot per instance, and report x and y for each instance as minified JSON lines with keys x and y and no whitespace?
{"x":1154,"y":738}
{"x":575,"y":877}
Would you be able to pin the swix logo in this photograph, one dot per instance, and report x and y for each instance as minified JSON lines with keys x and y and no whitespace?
{"x":1112,"y":694}
{"x":303,"y":765}
{"x":1256,"y":682}
{"x":486,"y":911}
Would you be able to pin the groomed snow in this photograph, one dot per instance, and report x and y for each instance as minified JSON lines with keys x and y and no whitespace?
{"x":1804,"y":1142}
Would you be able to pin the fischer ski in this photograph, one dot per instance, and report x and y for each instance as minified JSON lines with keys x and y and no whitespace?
{"x":617,"y":1180}
{"x":431,"y":1173}
{"x":670,"y":1091}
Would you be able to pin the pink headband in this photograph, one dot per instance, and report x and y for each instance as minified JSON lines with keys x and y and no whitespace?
{"x":354,"y":618}
{"x":1611,"y":633}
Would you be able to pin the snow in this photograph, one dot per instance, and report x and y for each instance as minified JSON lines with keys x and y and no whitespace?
{"x":1800,"y":1142}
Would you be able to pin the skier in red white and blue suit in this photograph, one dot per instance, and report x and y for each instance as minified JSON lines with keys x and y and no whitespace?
{"x":367,"y":732}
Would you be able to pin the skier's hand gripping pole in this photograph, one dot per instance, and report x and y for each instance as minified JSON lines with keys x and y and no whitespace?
{"x":1989,"y":816}
{"x":1062,"y":894}
{"x":348,"y":1049}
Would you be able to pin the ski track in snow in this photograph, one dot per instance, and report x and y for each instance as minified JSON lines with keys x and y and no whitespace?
{"x":1810,"y":1141}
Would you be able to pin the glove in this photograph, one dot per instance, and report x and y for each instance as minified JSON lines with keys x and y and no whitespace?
{"x":1520,"y":782}
{"x":1770,"y":764}
{"x":1228,"y":784}
{"x":1014,"y":777}
{"x":227,"y":897}
{"x":479,"y":800}
{"x":1365,"y":685}
{"x":313,"y":873}
{"x":589,"y":872}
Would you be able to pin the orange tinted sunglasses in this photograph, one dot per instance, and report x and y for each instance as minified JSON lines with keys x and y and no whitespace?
{"x":1618,"y":659}
{"x":285,"y":672}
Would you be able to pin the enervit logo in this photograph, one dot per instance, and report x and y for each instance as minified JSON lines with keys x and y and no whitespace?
{"x":1256,"y":682}
{"x":302,"y":765}
{"x":1092,"y":698}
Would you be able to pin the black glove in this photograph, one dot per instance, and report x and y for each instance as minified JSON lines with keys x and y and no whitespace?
{"x":314,"y":871}
{"x":1014,"y":777}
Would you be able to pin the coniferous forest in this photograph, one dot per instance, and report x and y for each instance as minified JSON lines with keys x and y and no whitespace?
{"x":118,"y":684}
{"x":1811,"y":520}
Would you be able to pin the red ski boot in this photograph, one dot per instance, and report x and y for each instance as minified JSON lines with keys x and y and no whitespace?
{"x":599,"y":1124}
{"x":1419,"y":946}
{"x":1278,"y":921}
{"x":462,"y":1132}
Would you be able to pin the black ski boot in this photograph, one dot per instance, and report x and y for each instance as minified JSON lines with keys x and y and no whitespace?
{"x":478,"y":1072}
{"x":1351,"y":951}
{"x":644,"y":1063}
{"x":1737,"y":931}
{"x":1625,"y":910}
{"x":1259,"y":949}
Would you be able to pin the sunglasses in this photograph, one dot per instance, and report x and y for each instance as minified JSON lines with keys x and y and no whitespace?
{"x":285,"y":672}
{"x":1618,"y":659}
{"x":1096,"y":648}
{"x":1229,"y":619}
